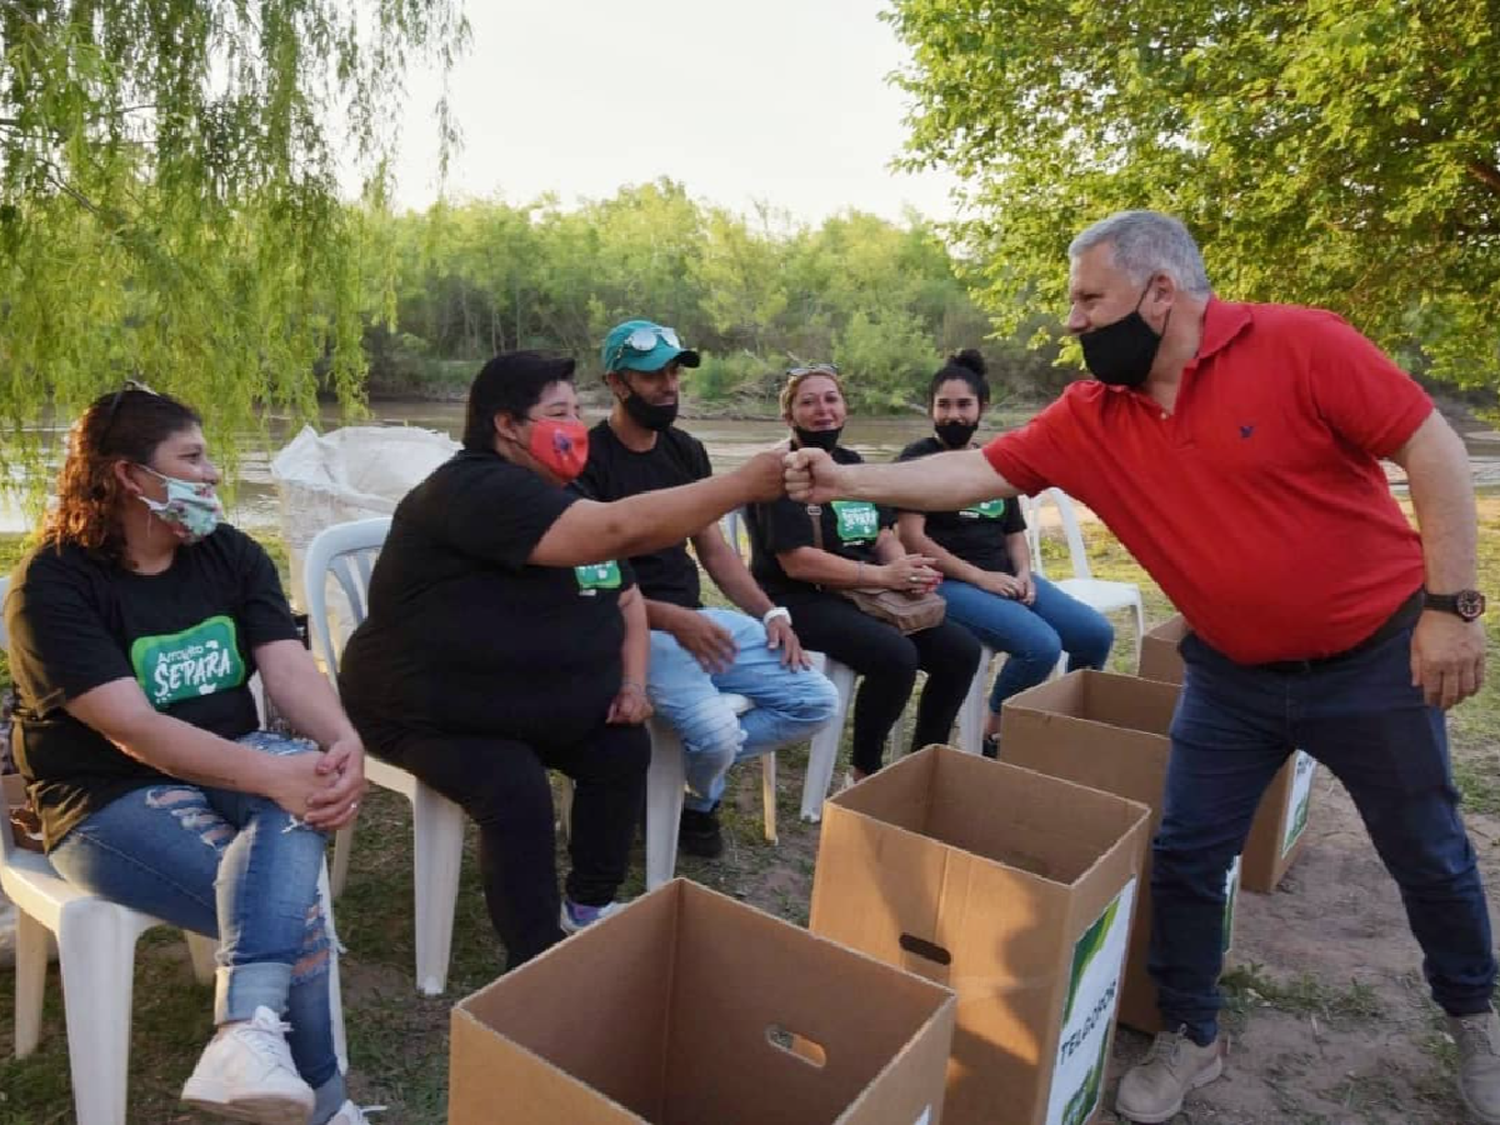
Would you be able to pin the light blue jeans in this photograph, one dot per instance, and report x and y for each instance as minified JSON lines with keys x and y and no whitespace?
{"x":238,"y":868}
{"x":791,"y":704}
{"x":1034,"y":636}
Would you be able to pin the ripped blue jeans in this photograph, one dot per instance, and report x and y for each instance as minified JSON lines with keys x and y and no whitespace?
{"x":233,"y":866}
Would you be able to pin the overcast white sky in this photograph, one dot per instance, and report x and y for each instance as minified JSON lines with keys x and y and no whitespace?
{"x":783,"y":101}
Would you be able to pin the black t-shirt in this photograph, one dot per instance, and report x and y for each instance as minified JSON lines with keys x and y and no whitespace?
{"x":186,"y":635}
{"x":614,"y":472}
{"x":850,"y":528}
{"x":465,"y":635}
{"x":977,"y":533}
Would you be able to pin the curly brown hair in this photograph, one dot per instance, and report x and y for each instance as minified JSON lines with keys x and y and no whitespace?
{"x":124,"y":425}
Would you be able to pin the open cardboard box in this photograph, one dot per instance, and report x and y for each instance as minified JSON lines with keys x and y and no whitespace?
{"x":1110,"y":732}
{"x":1276,"y":832}
{"x":689,"y":1008}
{"x":1010,"y":887}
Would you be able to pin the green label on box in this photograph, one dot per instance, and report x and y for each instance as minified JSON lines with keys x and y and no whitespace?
{"x":197,"y":661}
{"x":1299,"y":796}
{"x":1089,"y":1014}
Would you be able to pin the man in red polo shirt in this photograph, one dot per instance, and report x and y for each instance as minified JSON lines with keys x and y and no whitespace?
{"x":1234,"y":449}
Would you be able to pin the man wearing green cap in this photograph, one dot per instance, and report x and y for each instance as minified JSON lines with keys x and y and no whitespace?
{"x":697,"y":654}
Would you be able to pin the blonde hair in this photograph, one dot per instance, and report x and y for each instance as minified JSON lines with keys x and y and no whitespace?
{"x":797,"y":375}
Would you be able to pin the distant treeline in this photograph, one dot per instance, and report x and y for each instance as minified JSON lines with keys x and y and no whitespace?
{"x":885,"y":301}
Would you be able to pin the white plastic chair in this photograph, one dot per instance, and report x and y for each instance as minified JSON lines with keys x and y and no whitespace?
{"x":347,"y":552}
{"x":975,"y":709}
{"x":96,"y":942}
{"x":1102,"y":595}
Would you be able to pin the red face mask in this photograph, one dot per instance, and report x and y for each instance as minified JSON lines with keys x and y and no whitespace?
{"x":561,"y":445}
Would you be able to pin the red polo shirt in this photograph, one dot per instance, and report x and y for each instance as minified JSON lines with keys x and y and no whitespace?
{"x":1258,"y":504}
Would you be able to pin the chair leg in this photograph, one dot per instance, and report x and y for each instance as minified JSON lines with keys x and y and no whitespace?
{"x":664,"y":785}
{"x":438,"y":827}
{"x":343,"y":845}
{"x":971,"y":715}
{"x":97,"y":953}
{"x":204,"y":951}
{"x":31,"y":981}
{"x":824,"y":753}
{"x":1140,"y":629}
{"x":768,"y":793}
{"x":335,"y":988}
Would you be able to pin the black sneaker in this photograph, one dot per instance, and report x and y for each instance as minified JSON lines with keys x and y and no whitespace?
{"x":698,"y":834}
{"x":990,"y":747}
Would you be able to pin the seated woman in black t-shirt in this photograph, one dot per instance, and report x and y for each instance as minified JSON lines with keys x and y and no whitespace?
{"x":986,"y":565}
{"x":134,"y":630}
{"x":858,"y":550}
{"x":503,"y":640}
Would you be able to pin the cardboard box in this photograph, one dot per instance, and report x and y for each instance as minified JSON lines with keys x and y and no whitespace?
{"x":1012,"y":888}
{"x":1108,"y":732}
{"x":1276,"y":833}
{"x":689,"y":1008}
{"x":1160,"y":659}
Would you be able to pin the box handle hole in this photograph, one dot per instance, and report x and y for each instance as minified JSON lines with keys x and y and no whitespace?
{"x":798,"y":1046}
{"x":925,"y":949}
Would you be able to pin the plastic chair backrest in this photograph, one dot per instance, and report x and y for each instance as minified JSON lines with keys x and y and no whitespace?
{"x":1078,"y":554}
{"x":347,"y":551}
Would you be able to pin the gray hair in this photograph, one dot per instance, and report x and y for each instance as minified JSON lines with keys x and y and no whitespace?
{"x":1146,"y":243}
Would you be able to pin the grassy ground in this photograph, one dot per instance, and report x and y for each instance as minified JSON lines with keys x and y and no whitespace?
{"x":398,"y":1040}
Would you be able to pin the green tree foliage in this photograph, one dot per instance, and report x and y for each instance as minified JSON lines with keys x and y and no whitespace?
{"x":756,"y":294}
{"x":168,"y":203}
{"x":1342,"y":153}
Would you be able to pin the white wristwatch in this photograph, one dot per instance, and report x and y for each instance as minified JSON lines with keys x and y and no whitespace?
{"x":773,"y":613}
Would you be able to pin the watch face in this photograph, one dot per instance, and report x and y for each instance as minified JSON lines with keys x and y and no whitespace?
{"x":1469,"y":603}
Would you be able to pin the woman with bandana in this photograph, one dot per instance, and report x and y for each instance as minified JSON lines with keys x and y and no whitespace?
{"x":802,"y":565}
{"x":986,"y":566}
{"x":504,"y":640}
{"x":135,"y":627}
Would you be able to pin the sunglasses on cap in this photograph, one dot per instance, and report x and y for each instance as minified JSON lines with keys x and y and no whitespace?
{"x":643,"y":340}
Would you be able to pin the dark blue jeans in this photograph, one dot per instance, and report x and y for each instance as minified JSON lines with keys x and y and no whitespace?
{"x":1361,"y":717}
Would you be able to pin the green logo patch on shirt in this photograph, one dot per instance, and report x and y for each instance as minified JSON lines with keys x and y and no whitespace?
{"x":598,"y":576}
{"x":858,"y":521}
{"x":197,"y":661}
{"x":989,"y":510}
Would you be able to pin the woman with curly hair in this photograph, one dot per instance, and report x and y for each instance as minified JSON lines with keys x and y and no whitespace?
{"x":135,"y":627}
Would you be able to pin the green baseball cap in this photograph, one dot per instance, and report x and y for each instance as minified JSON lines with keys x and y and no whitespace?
{"x":642,"y":345}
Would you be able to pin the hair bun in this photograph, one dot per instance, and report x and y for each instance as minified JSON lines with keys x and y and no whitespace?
{"x":969,"y":359}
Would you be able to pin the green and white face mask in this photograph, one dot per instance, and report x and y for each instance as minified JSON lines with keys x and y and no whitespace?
{"x":192,"y":507}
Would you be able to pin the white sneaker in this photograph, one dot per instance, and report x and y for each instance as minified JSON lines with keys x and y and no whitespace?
{"x":247,"y":1074}
{"x":351,"y":1114}
{"x":574,"y":917}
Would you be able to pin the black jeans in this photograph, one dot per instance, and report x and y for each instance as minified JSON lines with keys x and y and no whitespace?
{"x":503,"y":785}
{"x":888,"y":662}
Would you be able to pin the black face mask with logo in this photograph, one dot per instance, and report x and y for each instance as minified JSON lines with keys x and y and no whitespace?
{"x":955,"y":435}
{"x":817,"y":439}
{"x":1121,"y":354}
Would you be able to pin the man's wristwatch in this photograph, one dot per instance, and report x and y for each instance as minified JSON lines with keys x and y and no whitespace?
{"x":1467,"y":604}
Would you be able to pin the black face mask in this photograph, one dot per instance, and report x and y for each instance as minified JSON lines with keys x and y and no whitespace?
{"x":1121,"y":354}
{"x":651,"y":416}
{"x":955,"y":435}
{"x":817,"y":439}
